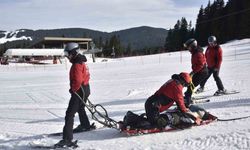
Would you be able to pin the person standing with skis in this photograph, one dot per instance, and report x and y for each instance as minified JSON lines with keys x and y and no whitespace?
{"x":165,"y":97}
{"x":214,"y":59}
{"x":79,"y":86}
{"x":199,"y":67}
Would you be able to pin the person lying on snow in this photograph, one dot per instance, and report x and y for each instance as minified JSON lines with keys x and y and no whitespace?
{"x":157,"y":106}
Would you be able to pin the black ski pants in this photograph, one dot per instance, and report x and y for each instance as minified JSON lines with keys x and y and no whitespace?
{"x":76,"y":105}
{"x":216,"y":78}
{"x":197,"y":78}
{"x":152,"y":107}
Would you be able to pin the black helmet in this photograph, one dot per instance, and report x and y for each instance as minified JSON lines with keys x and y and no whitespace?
{"x":190,"y":43}
{"x":212,"y":40}
{"x":71,"y":49}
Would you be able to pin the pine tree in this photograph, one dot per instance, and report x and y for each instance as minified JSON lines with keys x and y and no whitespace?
{"x":200,"y":25}
{"x":177,"y":36}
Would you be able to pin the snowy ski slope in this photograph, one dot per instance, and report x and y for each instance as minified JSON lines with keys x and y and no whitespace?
{"x":34,"y":98}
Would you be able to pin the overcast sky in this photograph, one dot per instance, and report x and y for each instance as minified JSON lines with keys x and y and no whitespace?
{"x":102,"y":15}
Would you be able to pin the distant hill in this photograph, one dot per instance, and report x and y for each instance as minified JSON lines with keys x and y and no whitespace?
{"x":138,"y":38}
{"x":142,"y":37}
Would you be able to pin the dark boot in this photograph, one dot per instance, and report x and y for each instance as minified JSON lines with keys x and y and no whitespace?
{"x":208,"y":116}
{"x":220,"y":92}
{"x":66,"y":143}
{"x":80,"y":128}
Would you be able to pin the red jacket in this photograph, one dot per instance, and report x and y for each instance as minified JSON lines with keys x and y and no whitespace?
{"x":198,"y":60}
{"x":79,"y":75}
{"x":214,"y":56}
{"x":172,"y":89}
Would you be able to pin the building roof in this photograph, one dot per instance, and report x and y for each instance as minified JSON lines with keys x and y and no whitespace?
{"x":34,"y":52}
{"x":64,"y":39}
{"x":49,"y":40}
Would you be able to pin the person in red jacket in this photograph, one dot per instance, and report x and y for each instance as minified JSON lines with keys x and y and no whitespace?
{"x":79,"y":84}
{"x":214,"y":59}
{"x":165,"y":97}
{"x":199,"y":67}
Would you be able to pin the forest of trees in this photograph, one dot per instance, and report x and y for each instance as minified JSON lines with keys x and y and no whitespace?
{"x":113,"y":47}
{"x":226,"y":22}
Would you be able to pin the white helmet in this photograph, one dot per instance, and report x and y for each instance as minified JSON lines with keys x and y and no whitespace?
{"x":71,"y":49}
{"x":211,"y":40}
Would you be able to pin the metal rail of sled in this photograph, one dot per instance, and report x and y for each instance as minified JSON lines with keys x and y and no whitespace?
{"x":98,"y":112}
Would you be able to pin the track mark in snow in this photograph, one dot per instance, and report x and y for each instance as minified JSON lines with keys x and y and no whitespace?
{"x":228,"y":103}
{"x":49,"y":96}
{"x":53,"y":114}
{"x":234,"y":140}
{"x":133,"y":92}
{"x":33,"y":99}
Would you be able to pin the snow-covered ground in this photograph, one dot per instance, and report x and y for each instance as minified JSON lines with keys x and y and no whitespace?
{"x":33,"y":100}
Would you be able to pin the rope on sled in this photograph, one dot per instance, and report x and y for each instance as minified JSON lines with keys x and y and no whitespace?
{"x":233,"y":118}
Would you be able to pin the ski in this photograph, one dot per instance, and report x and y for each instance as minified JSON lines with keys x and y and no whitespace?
{"x":61,"y":133}
{"x":197,"y":101}
{"x":209,"y":96}
{"x":197,"y":98}
{"x":135,"y":132}
{"x":228,"y":93}
{"x":92,"y":127}
{"x":37,"y":146}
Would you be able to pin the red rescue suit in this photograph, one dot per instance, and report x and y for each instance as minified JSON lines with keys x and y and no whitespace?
{"x":214,"y":56}
{"x":172,"y":90}
{"x":198,"y":60}
{"x":79,"y":75}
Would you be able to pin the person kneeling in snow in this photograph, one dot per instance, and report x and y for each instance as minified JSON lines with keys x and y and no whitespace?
{"x":172,"y":118}
{"x":166,"y":96}
{"x":158,"y":113}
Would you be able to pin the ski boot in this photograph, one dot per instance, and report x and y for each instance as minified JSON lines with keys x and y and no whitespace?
{"x":208,"y":116}
{"x":199,"y":90}
{"x":66,"y":143}
{"x":220,"y":92}
{"x":80,"y":128}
